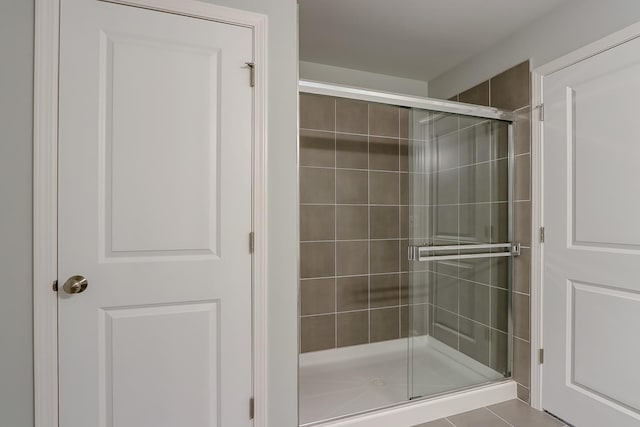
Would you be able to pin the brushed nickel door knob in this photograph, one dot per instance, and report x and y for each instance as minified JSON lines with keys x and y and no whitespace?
{"x":75,"y":284}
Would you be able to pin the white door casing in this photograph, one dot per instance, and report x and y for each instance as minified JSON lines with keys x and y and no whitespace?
{"x":155,"y":202}
{"x":591,"y":299}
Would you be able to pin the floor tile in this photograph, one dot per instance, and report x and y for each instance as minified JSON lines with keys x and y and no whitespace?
{"x":479,"y":418}
{"x":436,"y":423}
{"x":520,"y":414}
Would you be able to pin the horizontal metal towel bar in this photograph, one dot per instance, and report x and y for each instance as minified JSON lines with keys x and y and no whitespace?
{"x":422,"y":253}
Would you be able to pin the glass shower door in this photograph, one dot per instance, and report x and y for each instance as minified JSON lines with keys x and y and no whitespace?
{"x":460,"y":252}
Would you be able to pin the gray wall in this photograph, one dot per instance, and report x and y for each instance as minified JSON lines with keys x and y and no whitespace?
{"x":574,"y":24}
{"x":364,"y":79}
{"x":16,"y":94}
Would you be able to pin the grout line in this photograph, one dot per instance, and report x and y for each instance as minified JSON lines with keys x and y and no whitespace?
{"x":335,"y":223}
{"x":369,"y":222}
{"x":487,"y":408}
{"x":450,"y":422}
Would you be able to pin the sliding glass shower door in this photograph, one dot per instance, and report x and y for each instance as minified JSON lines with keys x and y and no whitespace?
{"x":460,"y":252}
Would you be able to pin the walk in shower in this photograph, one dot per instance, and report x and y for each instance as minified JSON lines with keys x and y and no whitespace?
{"x":406,"y":249}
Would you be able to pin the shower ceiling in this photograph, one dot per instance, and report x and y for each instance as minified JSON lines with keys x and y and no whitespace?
{"x":416,"y":39}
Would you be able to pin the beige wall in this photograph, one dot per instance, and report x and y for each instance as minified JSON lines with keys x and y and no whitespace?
{"x":16,"y":112}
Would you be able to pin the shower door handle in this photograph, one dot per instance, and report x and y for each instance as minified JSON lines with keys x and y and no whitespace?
{"x":422,"y":253}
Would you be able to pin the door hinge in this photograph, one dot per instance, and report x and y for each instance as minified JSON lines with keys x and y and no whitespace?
{"x":251,"y":408}
{"x":541,"y":234}
{"x":541,"y":112}
{"x":252,"y":242}
{"x":252,"y":75}
{"x":541,"y":356}
{"x":54,"y":286}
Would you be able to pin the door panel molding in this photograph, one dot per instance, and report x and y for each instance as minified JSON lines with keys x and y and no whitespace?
{"x":537,"y":197}
{"x":45,"y":194}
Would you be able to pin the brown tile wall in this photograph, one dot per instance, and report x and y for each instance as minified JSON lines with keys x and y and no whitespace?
{"x":510,"y":90}
{"x":353,"y":222}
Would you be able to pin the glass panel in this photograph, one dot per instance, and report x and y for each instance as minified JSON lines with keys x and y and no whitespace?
{"x":459,"y":189}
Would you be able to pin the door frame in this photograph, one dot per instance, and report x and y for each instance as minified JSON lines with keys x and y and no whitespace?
{"x":537,"y":180}
{"x":45,"y":195}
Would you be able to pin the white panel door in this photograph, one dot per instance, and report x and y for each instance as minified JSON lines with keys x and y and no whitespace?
{"x":592,"y":240}
{"x":155,"y":212}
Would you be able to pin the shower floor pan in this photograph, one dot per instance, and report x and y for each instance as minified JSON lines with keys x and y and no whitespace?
{"x":339,"y":382}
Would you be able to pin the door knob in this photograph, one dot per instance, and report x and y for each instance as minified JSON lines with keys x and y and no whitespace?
{"x":75,"y":284}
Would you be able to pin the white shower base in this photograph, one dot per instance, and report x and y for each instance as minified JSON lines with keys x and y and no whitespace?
{"x":339,"y":382}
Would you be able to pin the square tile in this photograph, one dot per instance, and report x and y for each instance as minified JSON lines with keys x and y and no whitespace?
{"x":404,"y":221}
{"x":474,"y":340}
{"x":352,"y":258}
{"x":474,"y":301}
{"x":352,"y":293}
{"x":404,"y":155}
{"x":317,"y":185}
{"x":499,"y":140}
{"x":475,"y":144}
{"x":317,"y":296}
{"x":385,"y":290}
{"x":446,"y":222}
{"x":353,"y":328}
{"x":384,"y":120}
{"x":317,"y":333}
{"x":499,"y":309}
{"x":352,"y":222}
{"x":475,"y":183}
{"x":478,"y":95}
{"x":405,"y":122}
{"x":404,"y":189}
{"x":478,"y":418}
{"x":522,"y":131}
{"x":414,"y":320}
{"x":447,"y":145}
{"x":352,"y":187}
{"x":385,"y":222}
{"x":522,"y":175}
{"x":522,"y":415}
{"x":317,"y":112}
{"x":385,"y":256}
{"x":523,"y":394}
{"x":317,"y":148}
{"x":317,"y":222}
{"x":384,"y":153}
{"x":447,"y":187}
{"x":475,"y":225}
{"x":385,"y":188}
{"x":317,"y":259}
{"x":444,"y":327}
{"x":522,"y":214}
{"x":352,"y":116}
{"x":352,"y":151}
{"x":522,"y":272}
{"x":499,"y":222}
{"x":500,"y":180}
{"x":499,"y":352}
{"x":521,"y":316}
{"x":446,"y":292}
{"x":521,"y":361}
{"x":510,"y":89}
{"x":385,"y":324}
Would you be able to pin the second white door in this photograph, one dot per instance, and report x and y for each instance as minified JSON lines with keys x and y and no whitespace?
{"x":592,"y":240}
{"x":155,"y":212}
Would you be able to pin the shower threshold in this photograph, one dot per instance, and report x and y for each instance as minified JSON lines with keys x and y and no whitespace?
{"x":352,"y":380}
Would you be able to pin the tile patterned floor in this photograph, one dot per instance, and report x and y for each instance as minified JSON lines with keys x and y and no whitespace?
{"x":513,"y":413}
